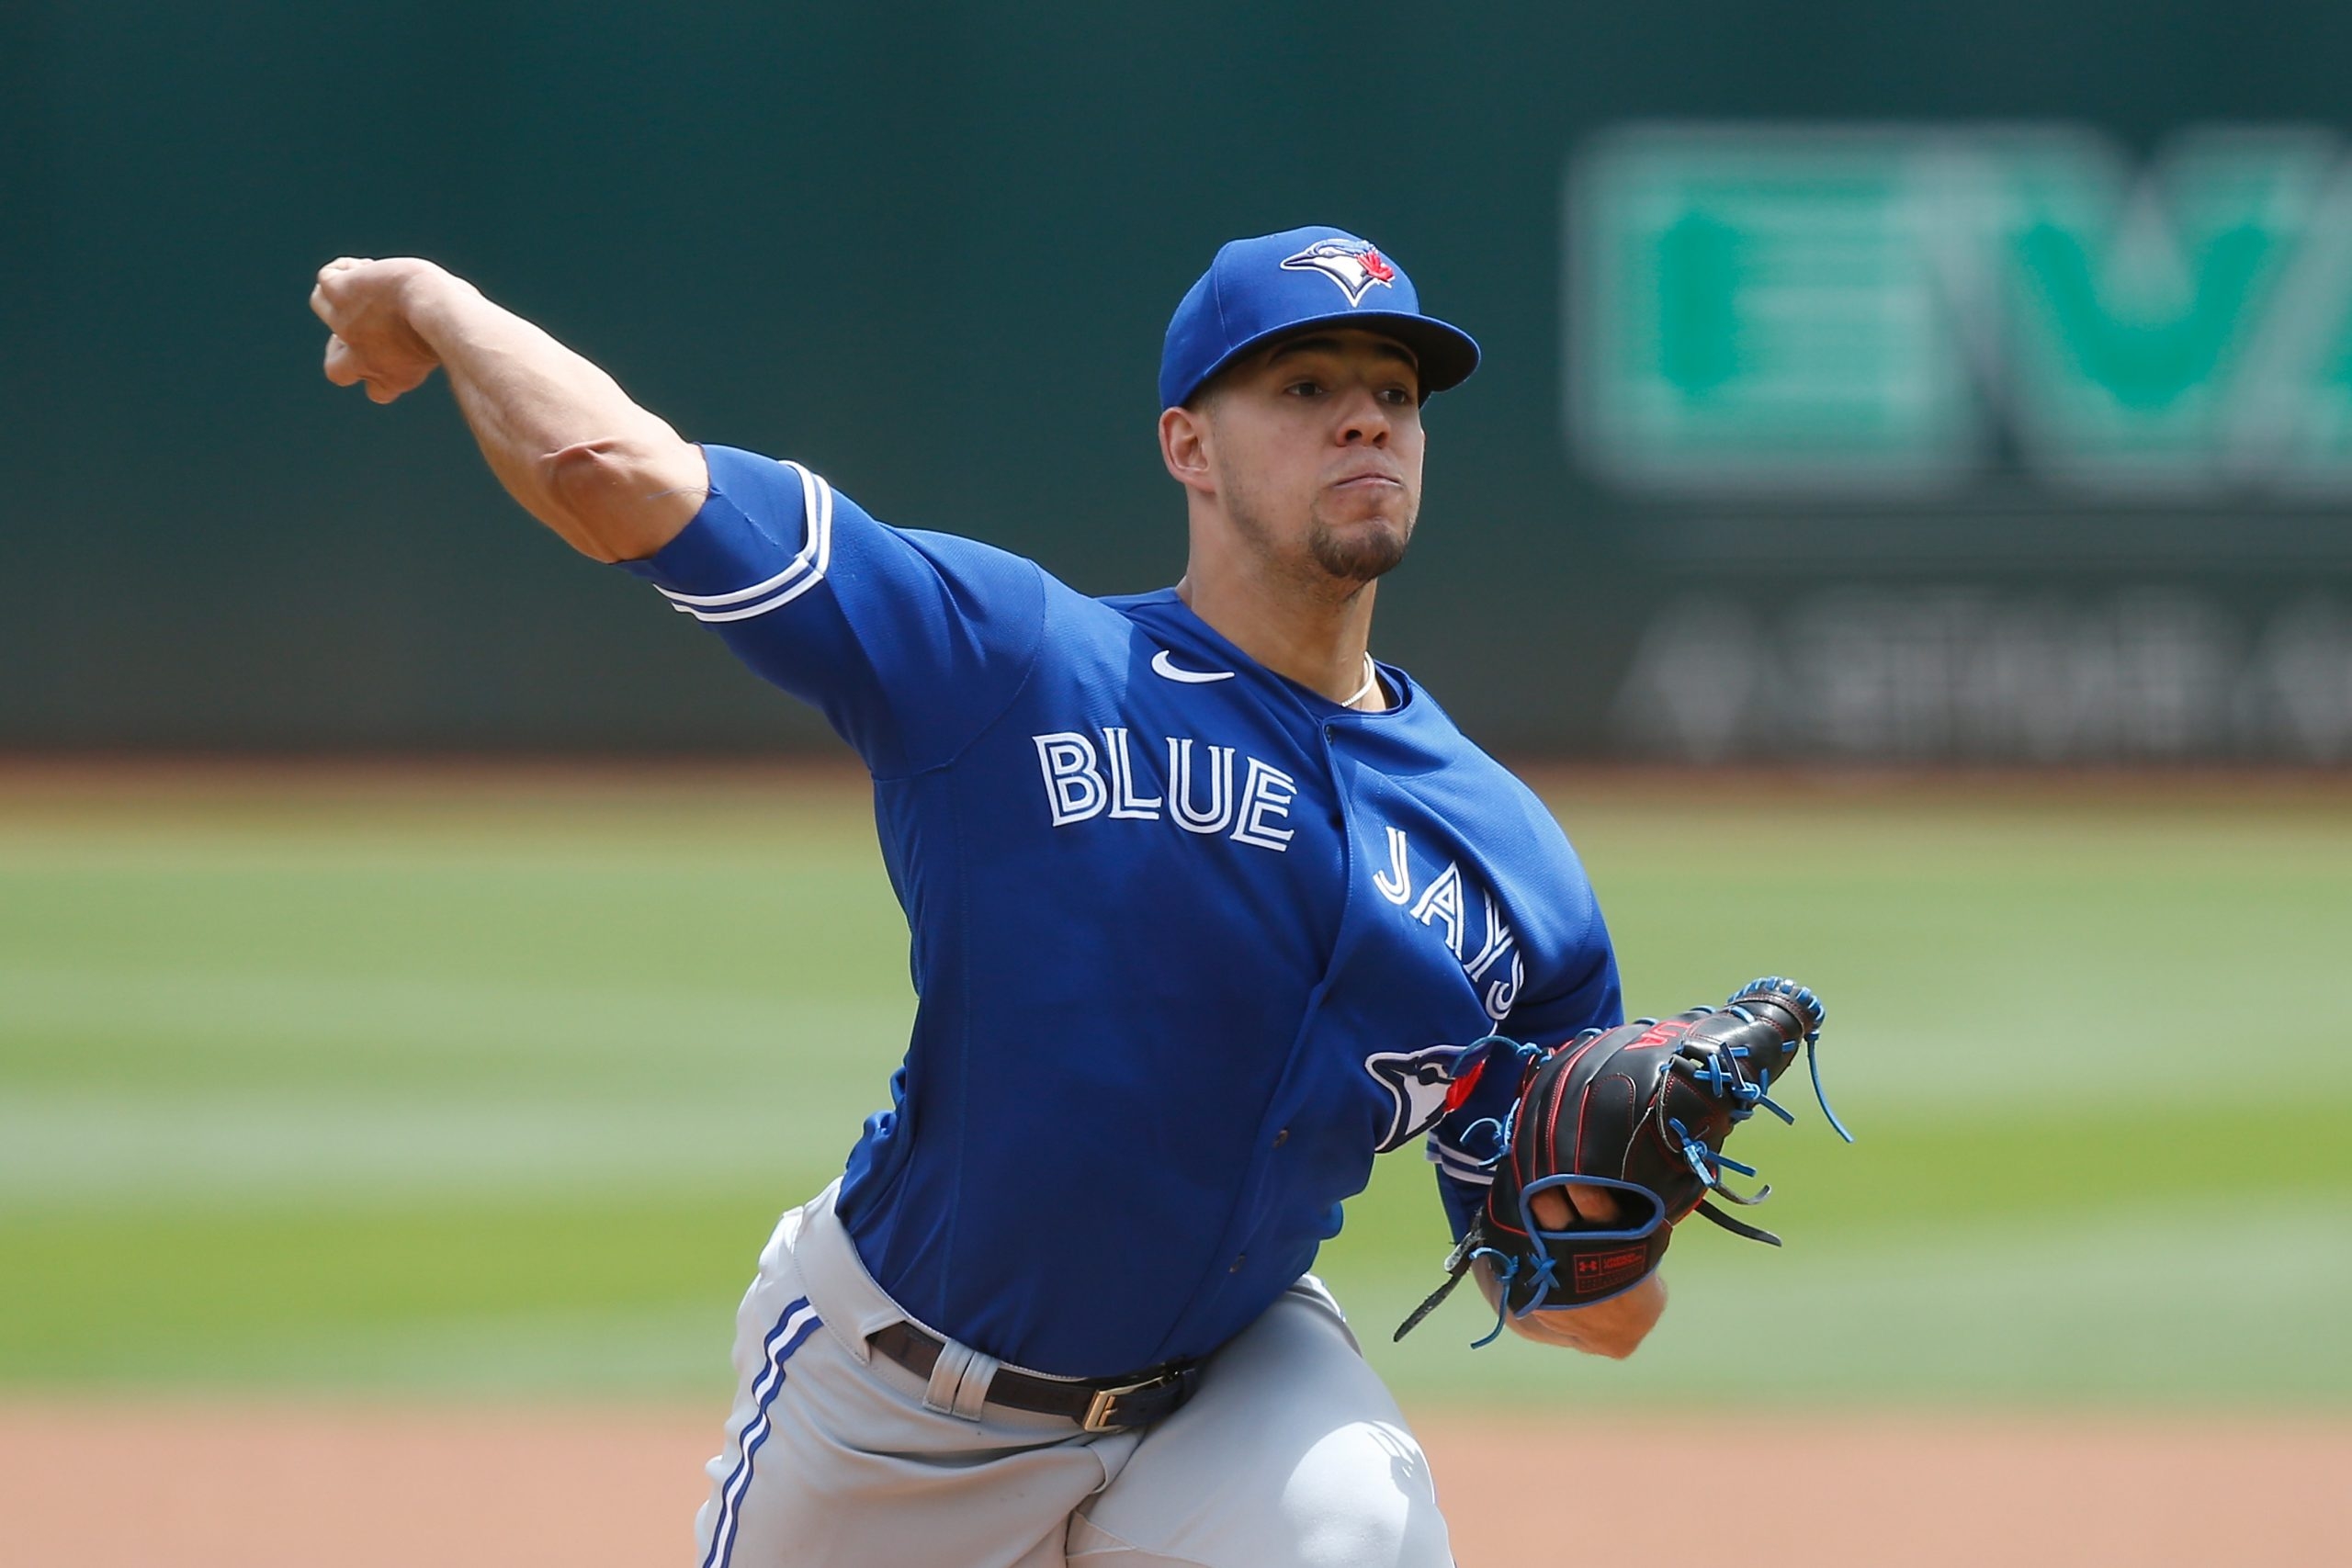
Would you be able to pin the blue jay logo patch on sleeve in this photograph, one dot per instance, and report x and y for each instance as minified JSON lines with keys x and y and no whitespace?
{"x":1421,"y":1086}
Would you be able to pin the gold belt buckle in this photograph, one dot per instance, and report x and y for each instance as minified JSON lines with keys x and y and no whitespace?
{"x":1101,"y":1410}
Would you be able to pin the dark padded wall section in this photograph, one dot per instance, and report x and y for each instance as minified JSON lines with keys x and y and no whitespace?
{"x":931,"y":251}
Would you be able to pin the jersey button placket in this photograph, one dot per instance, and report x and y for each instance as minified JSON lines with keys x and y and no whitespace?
{"x":1338,"y":813}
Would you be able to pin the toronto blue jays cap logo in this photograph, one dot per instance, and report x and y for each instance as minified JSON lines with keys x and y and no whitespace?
{"x":1354,"y":264}
{"x":1245,"y":301}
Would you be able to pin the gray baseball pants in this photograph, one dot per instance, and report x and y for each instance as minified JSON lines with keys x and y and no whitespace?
{"x":1291,"y":1454}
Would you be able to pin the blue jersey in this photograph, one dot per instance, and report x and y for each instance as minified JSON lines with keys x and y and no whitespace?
{"x":1191,"y":941}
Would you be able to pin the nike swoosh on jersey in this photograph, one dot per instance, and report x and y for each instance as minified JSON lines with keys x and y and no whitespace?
{"x":1162,"y":665}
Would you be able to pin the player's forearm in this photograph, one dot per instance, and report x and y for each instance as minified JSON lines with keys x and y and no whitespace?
{"x":615,"y":480}
{"x":1614,"y":1328}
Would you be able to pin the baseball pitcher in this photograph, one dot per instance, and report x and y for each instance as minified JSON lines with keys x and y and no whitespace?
{"x":1208,"y":906}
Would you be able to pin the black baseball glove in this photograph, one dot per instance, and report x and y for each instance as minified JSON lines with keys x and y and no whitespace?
{"x":1640,"y":1112}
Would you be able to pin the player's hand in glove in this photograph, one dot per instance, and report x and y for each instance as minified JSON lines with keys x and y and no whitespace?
{"x":1639,"y":1112}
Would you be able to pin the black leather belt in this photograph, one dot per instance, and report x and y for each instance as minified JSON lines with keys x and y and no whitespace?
{"x":1100,"y":1404}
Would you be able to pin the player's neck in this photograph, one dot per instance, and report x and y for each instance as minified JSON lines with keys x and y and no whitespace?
{"x":1319,"y":641}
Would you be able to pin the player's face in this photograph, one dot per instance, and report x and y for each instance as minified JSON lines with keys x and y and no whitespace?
{"x":1316,"y":448}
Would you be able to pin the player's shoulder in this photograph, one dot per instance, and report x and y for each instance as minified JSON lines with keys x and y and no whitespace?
{"x":1481,"y":787}
{"x":1156,"y":616}
{"x":1074,"y":631}
{"x":796,"y":498}
{"x":1435,"y":732}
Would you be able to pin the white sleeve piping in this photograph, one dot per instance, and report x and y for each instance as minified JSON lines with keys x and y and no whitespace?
{"x":807,"y":570}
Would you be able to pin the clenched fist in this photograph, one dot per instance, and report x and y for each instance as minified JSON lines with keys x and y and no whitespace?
{"x":369,"y":307}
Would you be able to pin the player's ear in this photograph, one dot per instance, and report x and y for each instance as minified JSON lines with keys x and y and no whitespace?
{"x":1184,"y":439}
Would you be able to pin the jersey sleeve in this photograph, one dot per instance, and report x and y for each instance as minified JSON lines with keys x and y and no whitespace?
{"x":1584,"y":994}
{"x":910,"y":643}
{"x":1463,"y":1144}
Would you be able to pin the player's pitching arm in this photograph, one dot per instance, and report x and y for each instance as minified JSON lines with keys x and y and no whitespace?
{"x":1615,"y":1327}
{"x":613,"y":481}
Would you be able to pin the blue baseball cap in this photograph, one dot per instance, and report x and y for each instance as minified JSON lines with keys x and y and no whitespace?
{"x":1275,"y":285}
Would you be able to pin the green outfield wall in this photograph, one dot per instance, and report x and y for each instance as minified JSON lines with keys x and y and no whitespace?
{"x":1912,"y":382}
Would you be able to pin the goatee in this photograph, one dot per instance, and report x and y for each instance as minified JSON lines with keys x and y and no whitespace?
{"x":1370,"y":550}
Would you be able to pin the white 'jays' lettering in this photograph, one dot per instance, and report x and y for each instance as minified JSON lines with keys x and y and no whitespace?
{"x":1442,"y":899}
{"x":1503,"y":995}
{"x":1395,"y":884}
{"x":1498,"y":939}
{"x":1083,"y":782}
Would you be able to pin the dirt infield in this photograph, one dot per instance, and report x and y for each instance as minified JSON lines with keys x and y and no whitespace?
{"x":198,"y":1486}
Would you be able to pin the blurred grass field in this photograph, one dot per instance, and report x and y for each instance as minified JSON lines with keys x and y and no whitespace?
{"x":493,"y":1083}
